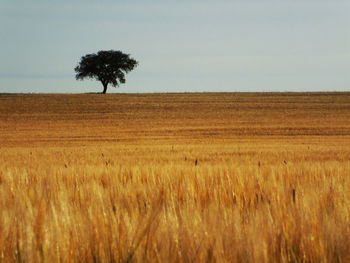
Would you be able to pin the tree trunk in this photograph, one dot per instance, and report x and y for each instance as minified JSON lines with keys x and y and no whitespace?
{"x":104,"y":88}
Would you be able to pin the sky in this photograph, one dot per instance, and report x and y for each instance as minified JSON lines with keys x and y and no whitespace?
{"x":181,"y":46}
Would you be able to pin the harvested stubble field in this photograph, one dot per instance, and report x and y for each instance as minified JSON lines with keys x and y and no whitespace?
{"x":216,"y":177}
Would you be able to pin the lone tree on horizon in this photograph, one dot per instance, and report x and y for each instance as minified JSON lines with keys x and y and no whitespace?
{"x":109,"y":67}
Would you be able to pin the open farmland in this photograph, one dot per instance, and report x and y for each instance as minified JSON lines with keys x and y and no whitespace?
{"x":212,"y":177}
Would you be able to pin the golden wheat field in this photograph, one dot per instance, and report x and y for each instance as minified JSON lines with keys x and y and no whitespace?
{"x":212,"y":177}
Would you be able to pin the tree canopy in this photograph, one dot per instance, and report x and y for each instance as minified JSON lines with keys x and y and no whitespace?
{"x":109,"y":67}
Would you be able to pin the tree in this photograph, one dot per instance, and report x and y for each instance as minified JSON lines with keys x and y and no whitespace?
{"x":109,"y":67}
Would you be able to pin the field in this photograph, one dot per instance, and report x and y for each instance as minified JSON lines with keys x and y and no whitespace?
{"x":212,"y":177}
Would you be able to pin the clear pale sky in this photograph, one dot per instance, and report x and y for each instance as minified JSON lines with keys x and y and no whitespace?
{"x":182,"y":46}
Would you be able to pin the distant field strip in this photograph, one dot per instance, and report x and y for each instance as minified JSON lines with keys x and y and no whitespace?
{"x":95,"y":118}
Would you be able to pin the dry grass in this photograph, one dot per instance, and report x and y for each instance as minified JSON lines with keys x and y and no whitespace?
{"x":175,"y":178}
